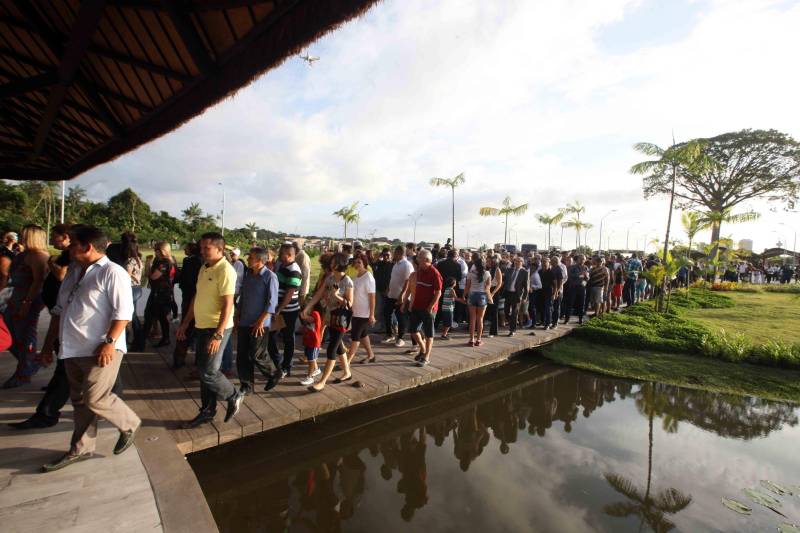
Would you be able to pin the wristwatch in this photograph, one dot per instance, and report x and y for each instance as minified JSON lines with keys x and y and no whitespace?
{"x":109,"y":340}
{"x":217,"y":336}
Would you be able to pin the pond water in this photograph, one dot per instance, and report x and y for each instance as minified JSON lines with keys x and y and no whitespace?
{"x":526,"y":447}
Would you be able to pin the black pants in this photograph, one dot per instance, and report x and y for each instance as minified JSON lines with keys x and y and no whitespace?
{"x":402,"y":318}
{"x":556,"y":309}
{"x":574,"y":302}
{"x":460,"y":315}
{"x":56,"y":393}
{"x":388,"y":311}
{"x":251,"y":352}
{"x":534,"y":308}
{"x":155,"y":310}
{"x":491,"y":315}
{"x":629,"y":291}
{"x":334,"y":343}
{"x":285,"y":362}
{"x":566,"y":295}
{"x":512,"y":310}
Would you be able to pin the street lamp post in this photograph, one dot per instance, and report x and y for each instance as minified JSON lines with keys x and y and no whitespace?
{"x":608,"y":241}
{"x":600,"y":238}
{"x":415,"y":218}
{"x":222,"y":215}
{"x":794,"y":246}
{"x":63,"y":188}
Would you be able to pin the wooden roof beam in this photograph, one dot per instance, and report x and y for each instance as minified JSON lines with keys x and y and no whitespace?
{"x":86,"y":21}
{"x":54,"y":42}
{"x":136,"y":62}
{"x":22,"y":58}
{"x":20,"y":86}
{"x":190,"y":37}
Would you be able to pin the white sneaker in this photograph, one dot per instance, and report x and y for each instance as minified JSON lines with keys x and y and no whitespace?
{"x":389,"y":340}
{"x":308,"y":380}
{"x":316,"y":373}
{"x":399,"y":343}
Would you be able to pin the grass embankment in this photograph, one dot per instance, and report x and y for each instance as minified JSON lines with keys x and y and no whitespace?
{"x":761,"y":316}
{"x":703,"y":342}
{"x":678,"y":369}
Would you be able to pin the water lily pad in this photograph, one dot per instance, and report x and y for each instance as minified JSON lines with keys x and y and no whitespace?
{"x":788,"y":528}
{"x":733,"y":505}
{"x":775,"y":488}
{"x":762,"y":499}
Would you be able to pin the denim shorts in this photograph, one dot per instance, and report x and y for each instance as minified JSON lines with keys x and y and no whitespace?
{"x":422,"y":320}
{"x":311,"y":353}
{"x":477,"y":299}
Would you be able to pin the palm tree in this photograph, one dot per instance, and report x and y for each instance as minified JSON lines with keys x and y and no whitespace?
{"x":192,"y":213}
{"x":578,"y":226}
{"x":252,"y":227}
{"x":650,"y":509}
{"x":452,"y":183}
{"x":693,"y":224}
{"x":549,"y":220}
{"x":575,"y":208}
{"x":687,"y":155}
{"x":504,"y":211}
{"x":348,"y":214}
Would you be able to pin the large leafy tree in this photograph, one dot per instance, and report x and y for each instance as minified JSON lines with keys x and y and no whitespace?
{"x":736,"y":167}
{"x":452,"y":183}
{"x":505,"y":211}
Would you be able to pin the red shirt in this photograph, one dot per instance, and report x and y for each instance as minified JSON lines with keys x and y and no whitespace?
{"x":311,"y":332}
{"x":428,"y":282}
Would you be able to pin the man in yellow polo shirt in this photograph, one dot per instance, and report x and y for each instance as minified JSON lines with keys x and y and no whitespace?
{"x":212,"y":311}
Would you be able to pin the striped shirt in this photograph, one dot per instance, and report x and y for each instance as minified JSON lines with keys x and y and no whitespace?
{"x":290,"y":277}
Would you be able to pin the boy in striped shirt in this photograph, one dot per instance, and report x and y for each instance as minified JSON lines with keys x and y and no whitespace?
{"x":290,"y":277}
{"x":448,"y":307}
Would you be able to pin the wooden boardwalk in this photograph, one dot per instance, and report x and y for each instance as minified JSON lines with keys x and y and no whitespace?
{"x":174,"y":397}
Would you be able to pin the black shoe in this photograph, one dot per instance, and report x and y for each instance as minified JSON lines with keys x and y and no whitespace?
{"x":125,"y":440}
{"x":580,"y":320}
{"x":510,"y":333}
{"x":65,"y":460}
{"x":270,"y":384}
{"x":234,"y":403}
{"x":37,"y":421}
{"x":203,"y":417}
{"x":245,"y":389}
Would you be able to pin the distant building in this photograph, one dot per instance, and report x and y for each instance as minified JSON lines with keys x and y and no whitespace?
{"x":746,"y":244}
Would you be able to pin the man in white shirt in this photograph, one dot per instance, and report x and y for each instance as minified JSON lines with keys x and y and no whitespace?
{"x":94,"y":305}
{"x":398,"y":283}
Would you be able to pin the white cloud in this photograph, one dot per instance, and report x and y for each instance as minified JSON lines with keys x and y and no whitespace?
{"x":522,"y":96}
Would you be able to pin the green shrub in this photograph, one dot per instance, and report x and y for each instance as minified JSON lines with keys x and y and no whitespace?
{"x":785,"y":289}
{"x":700,"y":299}
{"x":777,"y":353}
{"x":728,"y":347}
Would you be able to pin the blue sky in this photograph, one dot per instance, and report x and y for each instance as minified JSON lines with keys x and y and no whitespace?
{"x":538,"y":100}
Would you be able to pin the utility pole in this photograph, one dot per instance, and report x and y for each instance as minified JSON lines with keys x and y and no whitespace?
{"x":415,"y":218}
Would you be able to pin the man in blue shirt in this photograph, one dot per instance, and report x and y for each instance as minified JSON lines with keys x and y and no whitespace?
{"x":633,"y":268}
{"x":259,"y":299}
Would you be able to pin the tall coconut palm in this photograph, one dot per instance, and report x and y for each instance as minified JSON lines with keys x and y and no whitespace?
{"x":650,"y":508}
{"x":192,"y":213}
{"x":348,"y":214}
{"x":549,"y":220}
{"x":452,"y":183}
{"x":670,"y":160}
{"x":252,"y":227}
{"x":575,"y":208}
{"x":578,"y":225}
{"x":504,"y":211}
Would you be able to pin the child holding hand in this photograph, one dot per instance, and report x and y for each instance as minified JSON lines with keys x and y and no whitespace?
{"x":312,"y":340}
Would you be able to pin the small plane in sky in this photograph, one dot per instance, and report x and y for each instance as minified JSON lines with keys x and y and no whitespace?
{"x":308,"y":58}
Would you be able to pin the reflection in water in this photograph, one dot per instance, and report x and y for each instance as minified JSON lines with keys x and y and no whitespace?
{"x":323,"y":484}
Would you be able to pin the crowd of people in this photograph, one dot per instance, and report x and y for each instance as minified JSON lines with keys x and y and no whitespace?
{"x":264,"y":300}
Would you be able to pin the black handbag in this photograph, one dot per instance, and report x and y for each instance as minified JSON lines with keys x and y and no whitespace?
{"x":341,"y":317}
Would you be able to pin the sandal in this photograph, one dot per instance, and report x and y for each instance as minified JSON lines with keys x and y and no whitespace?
{"x":478,"y":342}
{"x":342,"y":380}
{"x":445,"y":337}
{"x":311,"y":388}
{"x":471,"y":343}
{"x":367,"y":360}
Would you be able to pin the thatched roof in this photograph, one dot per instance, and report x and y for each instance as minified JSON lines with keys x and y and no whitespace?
{"x":84,"y":81}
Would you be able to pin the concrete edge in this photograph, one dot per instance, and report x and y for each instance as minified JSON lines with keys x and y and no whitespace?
{"x":180,"y":501}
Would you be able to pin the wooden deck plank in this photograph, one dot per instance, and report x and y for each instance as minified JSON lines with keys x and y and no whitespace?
{"x":175,"y":397}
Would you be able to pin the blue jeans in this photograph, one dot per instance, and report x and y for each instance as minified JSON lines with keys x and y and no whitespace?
{"x":547,"y":307}
{"x":227,"y":358}
{"x":213,"y":383}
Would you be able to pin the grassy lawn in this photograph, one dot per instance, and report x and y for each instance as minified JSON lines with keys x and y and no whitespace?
{"x":683,"y":370}
{"x":760,"y":316}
